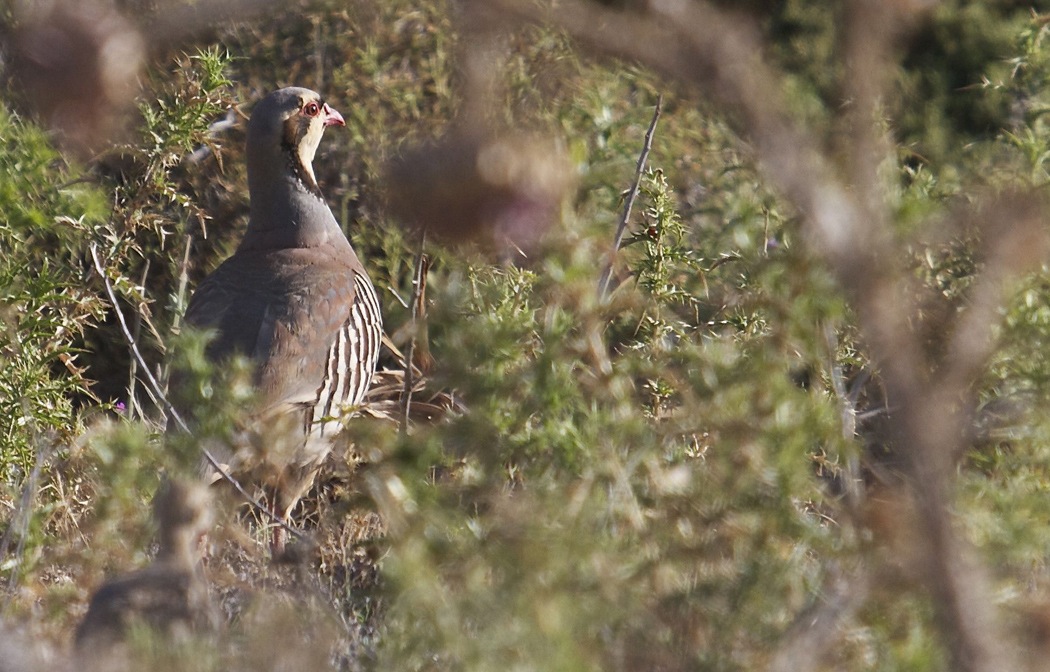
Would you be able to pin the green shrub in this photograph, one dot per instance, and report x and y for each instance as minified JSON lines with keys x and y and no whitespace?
{"x":47,"y":217}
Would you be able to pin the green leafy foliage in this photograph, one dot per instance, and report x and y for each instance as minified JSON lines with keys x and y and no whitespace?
{"x":46,"y":216}
{"x":55,"y":378}
{"x":577,"y":526}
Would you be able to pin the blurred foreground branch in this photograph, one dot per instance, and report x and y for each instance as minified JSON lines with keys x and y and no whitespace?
{"x":814,"y":631}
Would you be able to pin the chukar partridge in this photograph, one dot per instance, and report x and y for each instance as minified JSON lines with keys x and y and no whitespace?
{"x":295,"y":299}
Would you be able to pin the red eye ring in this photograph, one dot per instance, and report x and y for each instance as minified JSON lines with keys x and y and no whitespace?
{"x":311,"y":109}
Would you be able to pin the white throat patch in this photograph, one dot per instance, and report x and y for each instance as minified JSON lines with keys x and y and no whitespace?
{"x":306,"y":148}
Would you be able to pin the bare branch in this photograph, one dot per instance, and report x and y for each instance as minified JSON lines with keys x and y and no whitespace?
{"x":632,"y":195}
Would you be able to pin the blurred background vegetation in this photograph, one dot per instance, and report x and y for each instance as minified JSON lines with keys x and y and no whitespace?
{"x":660,"y":480}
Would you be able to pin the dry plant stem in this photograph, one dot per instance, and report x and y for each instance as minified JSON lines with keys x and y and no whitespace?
{"x":184,"y":281}
{"x":632,"y":195}
{"x":180,"y":300}
{"x":938,"y":420}
{"x":417,"y":288}
{"x":931,"y":414}
{"x":170,"y":409}
{"x":133,"y":378}
{"x":695,"y":43}
{"x":19,"y":523}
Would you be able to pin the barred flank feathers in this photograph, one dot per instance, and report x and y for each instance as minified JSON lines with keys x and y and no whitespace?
{"x":352,"y":357}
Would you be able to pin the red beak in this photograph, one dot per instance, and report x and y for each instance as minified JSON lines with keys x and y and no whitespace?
{"x":332,"y":117}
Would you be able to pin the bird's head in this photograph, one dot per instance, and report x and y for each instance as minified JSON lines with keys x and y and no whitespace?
{"x":291,"y":121}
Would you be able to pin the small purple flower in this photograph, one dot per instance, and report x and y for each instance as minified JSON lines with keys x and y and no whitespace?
{"x":120,"y":407}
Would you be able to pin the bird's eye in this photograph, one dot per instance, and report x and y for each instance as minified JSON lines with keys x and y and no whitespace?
{"x":311,"y":109}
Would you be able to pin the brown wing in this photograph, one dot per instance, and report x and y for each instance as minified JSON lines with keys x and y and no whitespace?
{"x":284,"y":310}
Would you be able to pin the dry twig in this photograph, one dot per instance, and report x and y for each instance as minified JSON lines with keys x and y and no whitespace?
{"x":418,"y":281}
{"x":632,"y":195}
